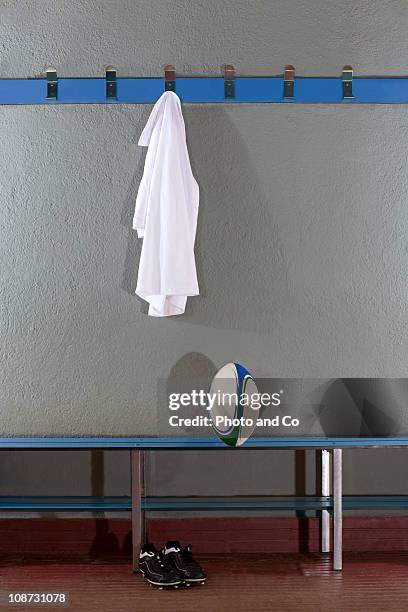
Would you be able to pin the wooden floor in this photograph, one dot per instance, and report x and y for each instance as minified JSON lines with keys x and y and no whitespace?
{"x":281,"y":582}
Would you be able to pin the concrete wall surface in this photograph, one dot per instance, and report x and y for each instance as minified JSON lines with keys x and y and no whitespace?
{"x":301,"y":244}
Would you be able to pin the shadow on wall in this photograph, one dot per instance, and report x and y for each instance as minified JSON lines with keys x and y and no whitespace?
{"x":366,"y":407}
{"x":237,"y":248}
{"x":357,"y":407}
{"x":105,"y":542}
{"x":192,"y":365}
{"x":134,"y":244}
{"x":300,"y":491}
{"x":238,"y":254}
{"x":192,"y":371}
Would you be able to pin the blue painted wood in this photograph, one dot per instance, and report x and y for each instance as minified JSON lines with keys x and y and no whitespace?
{"x":238,"y":503}
{"x":196,"y":443}
{"x":202,"y":503}
{"x":276,"y":503}
{"x":383,"y":502}
{"x":308,"y":90}
{"x":37,"y":503}
{"x":162,"y":503}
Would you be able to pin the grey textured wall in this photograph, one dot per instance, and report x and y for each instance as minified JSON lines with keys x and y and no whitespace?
{"x":301,"y":245}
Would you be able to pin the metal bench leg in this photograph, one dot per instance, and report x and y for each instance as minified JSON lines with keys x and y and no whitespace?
{"x":337,"y":509}
{"x":325,"y":520}
{"x":137,"y":515}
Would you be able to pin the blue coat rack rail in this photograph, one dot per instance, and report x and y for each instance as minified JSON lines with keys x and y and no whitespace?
{"x":286,"y":88}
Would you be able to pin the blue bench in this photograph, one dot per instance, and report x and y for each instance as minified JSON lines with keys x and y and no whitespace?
{"x":329,"y":504}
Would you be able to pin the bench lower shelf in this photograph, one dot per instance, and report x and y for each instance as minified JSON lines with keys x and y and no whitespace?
{"x":360,"y":502}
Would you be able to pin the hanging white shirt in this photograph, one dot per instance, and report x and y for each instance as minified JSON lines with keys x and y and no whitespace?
{"x":166,"y":212}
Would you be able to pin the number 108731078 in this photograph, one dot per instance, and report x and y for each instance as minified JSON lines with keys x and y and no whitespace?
{"x":33,"y":599}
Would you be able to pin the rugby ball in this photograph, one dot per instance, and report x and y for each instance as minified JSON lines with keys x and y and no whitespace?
{"x":229,"y":406}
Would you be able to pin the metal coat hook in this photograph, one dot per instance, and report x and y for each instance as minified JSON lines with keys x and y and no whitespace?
{"x":347,"y":80}
{"x":169,"y":78}
{"x":229,"y":81}
{"x":52,"y":83}
{"x":289,"y":83}
{"x":111,"y":84}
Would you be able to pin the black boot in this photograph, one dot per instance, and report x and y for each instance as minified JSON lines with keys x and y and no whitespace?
{"x":182,"y":561}
{"x":156,"y":568}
